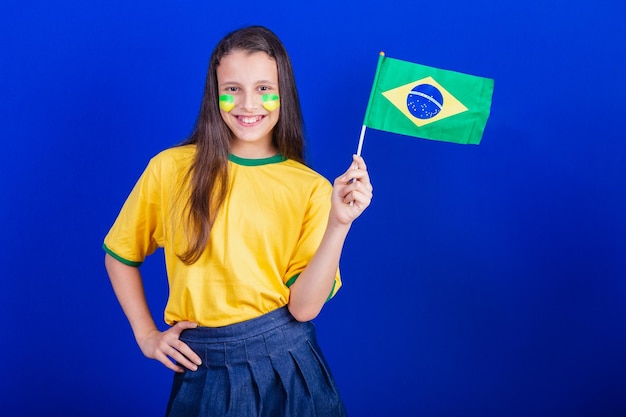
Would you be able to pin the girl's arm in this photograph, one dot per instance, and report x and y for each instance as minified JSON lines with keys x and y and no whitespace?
{"x":352,"y":193}
{"x":154,"y":344}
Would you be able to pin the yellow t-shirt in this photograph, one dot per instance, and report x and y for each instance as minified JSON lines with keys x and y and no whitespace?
{"x":263,"y":237}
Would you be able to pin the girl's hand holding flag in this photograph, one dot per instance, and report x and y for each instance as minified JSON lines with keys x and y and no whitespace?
{"x":352,"y":193}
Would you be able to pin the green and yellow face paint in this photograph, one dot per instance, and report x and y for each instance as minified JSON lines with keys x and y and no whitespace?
{"x":271,"y":101}
{"x":227,"y":102}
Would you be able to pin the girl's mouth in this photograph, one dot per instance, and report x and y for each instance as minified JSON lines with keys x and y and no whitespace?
{"x":249,"y":120}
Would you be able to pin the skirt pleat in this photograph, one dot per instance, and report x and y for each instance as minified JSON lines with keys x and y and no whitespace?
{"x":269,"y":391}
{"x":270,"y":366}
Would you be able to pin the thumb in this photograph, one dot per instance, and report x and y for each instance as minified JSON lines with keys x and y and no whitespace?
{"x":184,"y":325}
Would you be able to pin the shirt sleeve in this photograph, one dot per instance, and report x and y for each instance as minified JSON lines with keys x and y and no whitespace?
{"x":313,"y":229}
{"x":137,"y":231}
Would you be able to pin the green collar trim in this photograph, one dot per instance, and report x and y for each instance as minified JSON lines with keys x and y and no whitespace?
{"x":256,"y":162}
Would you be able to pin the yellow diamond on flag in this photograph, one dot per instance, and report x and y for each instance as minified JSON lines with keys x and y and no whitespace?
{"x":424,"y":101}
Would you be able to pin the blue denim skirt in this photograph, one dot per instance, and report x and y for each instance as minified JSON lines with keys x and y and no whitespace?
{"x":268,"y":366}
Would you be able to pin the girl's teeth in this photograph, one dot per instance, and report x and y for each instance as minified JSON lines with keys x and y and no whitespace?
{"x":250,"y":119}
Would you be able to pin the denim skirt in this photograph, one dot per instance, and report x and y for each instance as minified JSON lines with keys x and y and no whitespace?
{"x":267,"y":366}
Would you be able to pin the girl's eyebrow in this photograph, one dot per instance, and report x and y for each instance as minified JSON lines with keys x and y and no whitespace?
{"x":225,"y":83}
{"x":228,"y":83}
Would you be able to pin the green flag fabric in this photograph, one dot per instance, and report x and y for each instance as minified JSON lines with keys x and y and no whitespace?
{"x":416,"y":100}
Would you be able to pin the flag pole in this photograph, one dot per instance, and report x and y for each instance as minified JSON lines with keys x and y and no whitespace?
{"x":359,"y":149}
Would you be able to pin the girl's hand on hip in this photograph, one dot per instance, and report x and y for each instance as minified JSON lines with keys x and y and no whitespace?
{"x":165,"y":345}
{"x":352,"y":192}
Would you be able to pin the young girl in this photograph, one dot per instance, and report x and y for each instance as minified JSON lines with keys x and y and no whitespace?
{"x":252,"y":240}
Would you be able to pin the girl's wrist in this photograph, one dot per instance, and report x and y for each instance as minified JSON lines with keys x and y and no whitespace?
{"x":335,"y":226}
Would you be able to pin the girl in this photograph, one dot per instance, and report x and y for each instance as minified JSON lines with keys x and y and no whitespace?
{"x":252,"y":239}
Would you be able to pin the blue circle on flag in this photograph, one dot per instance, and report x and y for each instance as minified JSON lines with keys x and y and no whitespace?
{"x":424,"y":101}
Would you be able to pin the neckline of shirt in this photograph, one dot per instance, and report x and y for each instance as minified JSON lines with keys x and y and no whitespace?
{"x":256,"y":162}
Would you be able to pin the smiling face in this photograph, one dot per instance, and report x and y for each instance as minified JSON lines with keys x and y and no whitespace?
{"x":247,"y":77}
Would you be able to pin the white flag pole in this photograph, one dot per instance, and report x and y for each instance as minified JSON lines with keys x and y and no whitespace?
{"x":359,"y":149}
{"x":381,"y":57}
{"x":360,"y":146}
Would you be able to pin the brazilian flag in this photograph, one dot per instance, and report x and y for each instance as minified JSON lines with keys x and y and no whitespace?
{"x":416,"y":100}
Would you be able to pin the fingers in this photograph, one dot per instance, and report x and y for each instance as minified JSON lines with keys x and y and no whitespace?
{"x":356,"y":171}
{"x":355,"y":181}
{"x":359,"y":162}
{"x":357,"y":193}
{"x":167,"y":348}
{"x":353,"y":191}
{"x":168,"y":362}
{"x":178,"y":350}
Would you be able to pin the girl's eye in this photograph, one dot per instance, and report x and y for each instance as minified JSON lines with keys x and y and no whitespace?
{"x":264,"y":88}
{"x":231,"y":89}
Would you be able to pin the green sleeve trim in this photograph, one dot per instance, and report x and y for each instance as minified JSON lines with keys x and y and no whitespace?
{"x":293,"y":279}
{"x":119,"y":258}
{"x":332,"y":291}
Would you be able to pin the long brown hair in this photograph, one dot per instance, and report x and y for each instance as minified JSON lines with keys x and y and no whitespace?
{"x":207,"y":177}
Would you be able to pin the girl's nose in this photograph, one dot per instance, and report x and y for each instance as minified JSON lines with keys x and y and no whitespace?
{"x":250,"y":102}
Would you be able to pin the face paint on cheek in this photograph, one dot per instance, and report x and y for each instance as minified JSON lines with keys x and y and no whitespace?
{"x":271,"y":102}
{"x":227,"y":102}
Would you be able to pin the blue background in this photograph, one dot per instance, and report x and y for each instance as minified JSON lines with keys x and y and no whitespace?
{"x":483,"y":280}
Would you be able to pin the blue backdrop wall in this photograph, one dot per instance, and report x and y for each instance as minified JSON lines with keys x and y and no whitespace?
{"x":483,"y":281}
